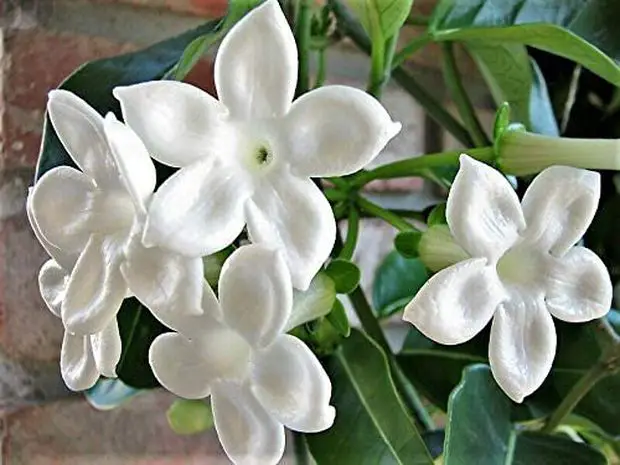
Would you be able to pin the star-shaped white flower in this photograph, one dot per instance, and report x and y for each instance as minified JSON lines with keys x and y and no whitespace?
{"x":524,"y":268}
{"x":248,"y":158}
{"x":82,"y":358}
{"x":259,"y":378}
{"x":97,"y":214}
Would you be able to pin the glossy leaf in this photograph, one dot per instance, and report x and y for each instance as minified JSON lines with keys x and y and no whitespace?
{"x":397,"y":280}
{"x":94,"y":82}
{"x":481,"y":432}
{"x":571,"y":29}
{"x":338,"y":319}
{"x":406,"y":243}
{"x":381,"y":18}
{"x":345,"y":274}
{"x":108,"y":394}
{"x":189,"y":416}
{"x":138,"y":328}
{"x":372,"y":425}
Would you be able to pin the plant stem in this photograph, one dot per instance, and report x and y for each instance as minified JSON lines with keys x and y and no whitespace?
{"x":416,"y":44}
{"x":300,"y":447}
{"x":459,"y":95}
{"x":377,"y":68}
{"x":350,"y":241}
{"x":416,"y":166}
{"x":353,"y":29}
{"x":386,"y":215}
{"x":302,"y":37}
{"x":608,"y":364}
{"x":322,"y":65}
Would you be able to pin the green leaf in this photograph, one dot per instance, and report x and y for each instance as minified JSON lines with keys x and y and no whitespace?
{"x":479,"y":430}
{"x":437,"y":215}
{"x":189,"y":416}
{"x":94,"y":82}
{"x":579,"y":30}
{"x":406,"y":243}
{"x":346,"y":275}
{"x":138,"y":328}
{"x":338,"y":319}
{"x":397,"y":281}
{"x":212,"y":265}
{"x":107,"y":394}
{"x":315,"y":302}
{"x":514,"y":78}
{"x":435,"y":370}
{"x":381,"y":18}
{"x":372,"y":425}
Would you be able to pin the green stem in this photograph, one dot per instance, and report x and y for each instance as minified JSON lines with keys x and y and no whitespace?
{"x":354,"y":30}
{"x":417,"y":165}
{"x":300,"y":447}
{"x":377,"y":68}
{"x":386,"y":215}
{"x":322,"y":66}
{"x":302,"y":37}
{"x":350,"y":241}
{"x":412,"y":47}
{"x":459,"y":95}
{"x":608,"y":364}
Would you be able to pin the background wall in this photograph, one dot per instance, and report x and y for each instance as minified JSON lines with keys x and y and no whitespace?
{"x":41,"y":42}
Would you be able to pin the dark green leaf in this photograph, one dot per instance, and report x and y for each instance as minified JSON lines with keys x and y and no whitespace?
{"x":346,"y":275}
{"x":480,"y":431}
{"x":381,"y":18}
{"x":339,"y":320}
{"x":406,"y":242}
{"x":108,"y":394}
{"x":138,"y":329}
{"x":94,"y":82}
{"x":397,"y":280}
{"x":372,"y":425}
{"x":579,"y":30}
{"x":189,"y":416}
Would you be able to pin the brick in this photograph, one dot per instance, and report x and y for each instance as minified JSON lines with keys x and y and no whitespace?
{"x":206,"y":8}
{"x":73,"y":433}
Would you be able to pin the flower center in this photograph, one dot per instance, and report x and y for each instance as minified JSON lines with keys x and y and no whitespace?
{"x":114,"y":211}
{"x":520,"y":266}
{"x":227,"y":353}
{"x":263,"y":155}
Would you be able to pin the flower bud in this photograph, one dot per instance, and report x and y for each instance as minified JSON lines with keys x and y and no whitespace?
{"x":521,"y":153}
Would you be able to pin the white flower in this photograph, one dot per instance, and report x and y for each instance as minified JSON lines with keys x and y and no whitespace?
{"x":82,"y":358}
{"x":259,"y":378}
{"x":97,"y":215}
{"x":248,"y":158}
{"x":524,"y":268}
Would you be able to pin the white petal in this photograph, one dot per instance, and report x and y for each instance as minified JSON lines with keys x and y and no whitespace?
{"x":249,"y":435}
{"x":106,"y":347}
{"x":456,"y":303}
{"x":161,"y":279}
{"x":177,"y":122}
{"x":198,"y":210}
{"x":256,"y":65}
{"x":255,"y":293}
{"x":63,"y":258}
{"x":291,"y":384}
{"x":77,"y":364}
{"x":336,"y":130}
{"x":62,"y":203}
{"x":292,"y":215}
{"x":96,"y":287}
{"x":522,"y":346}
{"x":180,"y":367}
{"x":132,"y":159}
{"x":579,"y":287}
{"x":559,"y":206}
{"x":53,"y":284}
{"x":483,"y":210}
{"x":80,"y":129}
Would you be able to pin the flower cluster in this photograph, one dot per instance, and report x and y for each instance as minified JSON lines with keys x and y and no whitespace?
{"x":523,"y":267}
{"x":244,"y":160}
